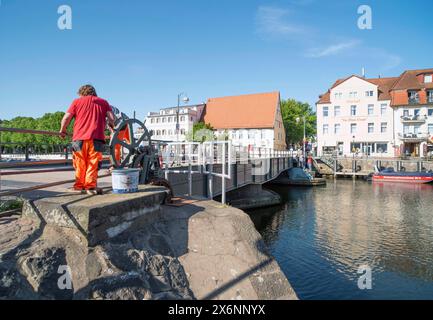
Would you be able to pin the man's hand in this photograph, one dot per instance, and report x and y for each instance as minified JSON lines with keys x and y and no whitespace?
{"x":64,"y":124}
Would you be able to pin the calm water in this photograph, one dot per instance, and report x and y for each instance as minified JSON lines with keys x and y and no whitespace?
{"x":321,"y":236}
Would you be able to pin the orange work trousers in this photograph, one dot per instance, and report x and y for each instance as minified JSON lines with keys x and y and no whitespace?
{"x":123,"y":135}
{"x":86,"y":163}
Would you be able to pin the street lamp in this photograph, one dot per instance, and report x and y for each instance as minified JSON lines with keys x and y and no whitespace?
{"x":303,"y":142}
{"x":185,"y":100}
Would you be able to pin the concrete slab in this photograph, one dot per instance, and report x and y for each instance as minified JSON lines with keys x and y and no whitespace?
{"x":100,"y":217}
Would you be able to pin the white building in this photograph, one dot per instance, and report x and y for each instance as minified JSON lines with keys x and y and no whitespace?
{"x":355,"y":116}
{"x":412,"y":101}
{"x":163,"y":123}
{"x":252,"y":120}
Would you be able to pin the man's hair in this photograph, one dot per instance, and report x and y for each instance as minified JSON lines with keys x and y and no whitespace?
{"x":87,"y":90}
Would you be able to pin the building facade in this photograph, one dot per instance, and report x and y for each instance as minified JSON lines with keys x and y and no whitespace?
{"x":412,"y":101}
{"x":382,"y":117}
{"x":163,"y":123}
{"x":355,"y":117}
{"x":252,"y":120}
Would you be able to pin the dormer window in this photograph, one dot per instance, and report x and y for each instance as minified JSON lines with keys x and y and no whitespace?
{"x":428,"y":78}
{"x":430,"y":96}
{"x":413,"y":96}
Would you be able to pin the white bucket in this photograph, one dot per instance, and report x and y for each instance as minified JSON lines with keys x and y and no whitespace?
{"x":125,"y":180}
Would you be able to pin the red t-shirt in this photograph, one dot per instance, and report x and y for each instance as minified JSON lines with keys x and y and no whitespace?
{"x":90,"y":113}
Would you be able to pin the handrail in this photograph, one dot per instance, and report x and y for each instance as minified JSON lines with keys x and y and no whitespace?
{"x":31,"y":131}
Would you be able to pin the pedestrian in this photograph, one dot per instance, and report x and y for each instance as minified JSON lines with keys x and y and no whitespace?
{"x":310,"y":162}
{"x":90,"y":113}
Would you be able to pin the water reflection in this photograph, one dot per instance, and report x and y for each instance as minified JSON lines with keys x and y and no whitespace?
{"x":320,"y":237}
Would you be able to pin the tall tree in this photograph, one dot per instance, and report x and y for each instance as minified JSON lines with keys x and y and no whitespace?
{"x":292,"y":110}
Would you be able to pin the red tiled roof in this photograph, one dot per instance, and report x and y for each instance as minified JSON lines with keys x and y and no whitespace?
{"x":408,"y":80}
{"x":244,"y":111}
{"x":384,"y":87}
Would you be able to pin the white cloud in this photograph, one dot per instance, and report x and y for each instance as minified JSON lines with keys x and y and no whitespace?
{"x":332,"y":49}
{"x":272,"y":21}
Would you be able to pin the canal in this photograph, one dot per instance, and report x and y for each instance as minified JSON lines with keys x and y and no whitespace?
{"x":322,"y":236}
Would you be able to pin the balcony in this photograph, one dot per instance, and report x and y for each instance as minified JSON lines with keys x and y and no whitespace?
{"x":413,"y":137}
{"x":413,"y":119}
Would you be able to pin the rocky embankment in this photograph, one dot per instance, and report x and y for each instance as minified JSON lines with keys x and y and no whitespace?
{"x":197,"y":251}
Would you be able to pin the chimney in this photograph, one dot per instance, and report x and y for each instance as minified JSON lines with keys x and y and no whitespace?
{"x":363,"y":72}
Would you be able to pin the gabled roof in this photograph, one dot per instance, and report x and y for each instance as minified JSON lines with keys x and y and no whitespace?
{"x":384,"y":85}
{"x":408,"y":80}
{"x":241,"y":112}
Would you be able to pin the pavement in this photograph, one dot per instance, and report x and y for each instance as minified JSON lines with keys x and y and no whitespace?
{"x":17,"y":181}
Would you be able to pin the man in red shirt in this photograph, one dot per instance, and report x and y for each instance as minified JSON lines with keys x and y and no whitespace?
{"x":90,"y":113}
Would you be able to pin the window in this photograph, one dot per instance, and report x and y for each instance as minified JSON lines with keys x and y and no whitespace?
{"x":353,"y":95}
{"x":430,"y":96}
{"x":336,"y":111}
{"x":370,"y":127}
{"x":191,"y":119}
{"x":430,"y":112}
{"x":406,"y":129}
{"x":163,"y":132}
{"x":353,"y":110}
{"x":370,"y":109}
{"x":169,"y":119}
{"x":338,"y":95}
{"x":428,"y":78}
{"x":337,"y":127}
{"x":325,"y":111}
{"x":353,"y":128}
{"x":182,"y":131}
{"x":369,"y":93}
{"x":416,"y":112}
{"x":383,"y":127}
{"x":182,"y":118}
{"x":416,"y":129}
{"x":170,"y":132}
{"x":381,"y":147}
{"x":406,"y":113}
{"x":430,"y":128}
{"x":163,"y":119}
{"x":157,"y":120}
{"x":383,"y":109}
{"x":152,"y":120}
{"x":250,"y":134}
{"x":355,"y":147}
{"x":413,"y":97}
{"x":158,"y":132}
{"x":325,"y":129}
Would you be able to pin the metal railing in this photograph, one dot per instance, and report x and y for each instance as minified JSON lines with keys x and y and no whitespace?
{"x":20,"y":164}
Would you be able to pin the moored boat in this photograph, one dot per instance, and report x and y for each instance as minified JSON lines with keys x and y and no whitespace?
{"x":389,"y":175}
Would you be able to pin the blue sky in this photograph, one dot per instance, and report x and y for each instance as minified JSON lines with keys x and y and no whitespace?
{"x":141,"y":54}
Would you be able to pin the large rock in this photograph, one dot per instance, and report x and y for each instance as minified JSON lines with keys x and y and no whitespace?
{"x":201,"y":250}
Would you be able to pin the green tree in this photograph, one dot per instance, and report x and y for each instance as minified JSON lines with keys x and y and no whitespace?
{"x":291,"y":110}
{"x":201,"y":132}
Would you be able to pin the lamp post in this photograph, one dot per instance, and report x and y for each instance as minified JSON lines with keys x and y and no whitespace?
{"x":185,"y":100}
{"x":303,"y":141}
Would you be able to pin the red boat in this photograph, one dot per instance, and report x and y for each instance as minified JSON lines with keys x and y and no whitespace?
{"x":389,"y":175}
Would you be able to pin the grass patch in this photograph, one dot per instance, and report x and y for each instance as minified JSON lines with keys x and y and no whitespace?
{"x":6,"y":205}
